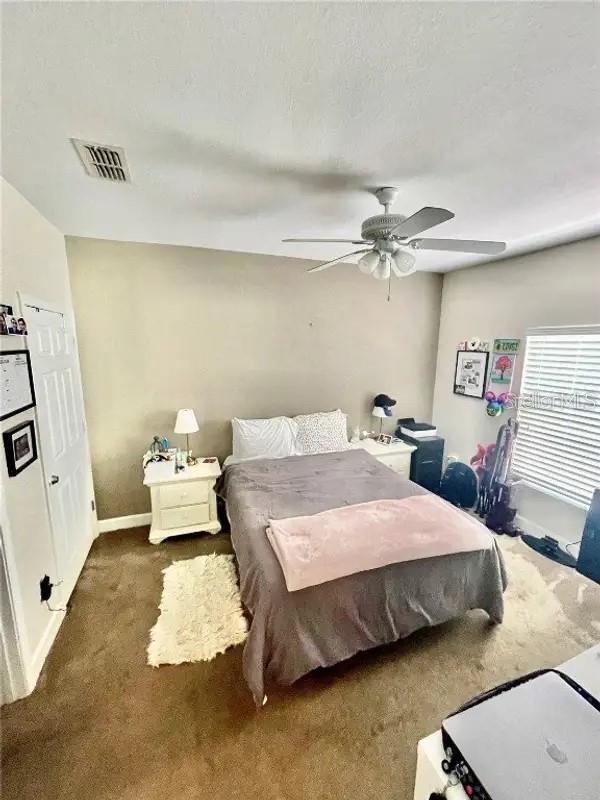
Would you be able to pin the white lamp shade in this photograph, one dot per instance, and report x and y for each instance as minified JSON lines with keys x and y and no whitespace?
{"x":368,"y":262}
{"x":186,"y":421}
{"x":382,"y":270}
{"x":378,"y":412}
{"x":403,"y":263}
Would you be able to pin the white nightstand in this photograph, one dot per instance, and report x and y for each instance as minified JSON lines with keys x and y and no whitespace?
{"x":183,"y":502}
{"x":396,"y":455}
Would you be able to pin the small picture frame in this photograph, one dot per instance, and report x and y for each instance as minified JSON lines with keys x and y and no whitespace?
{"x":384,"y":438}
{"x":10,"y":324}
{"x":20,"y":447}
{"x":470,"y":374}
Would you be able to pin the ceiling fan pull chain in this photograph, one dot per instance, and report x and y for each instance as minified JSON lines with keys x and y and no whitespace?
{"x":389,"y":287}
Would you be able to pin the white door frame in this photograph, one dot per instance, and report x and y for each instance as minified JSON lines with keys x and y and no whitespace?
{"x":15,"y":682}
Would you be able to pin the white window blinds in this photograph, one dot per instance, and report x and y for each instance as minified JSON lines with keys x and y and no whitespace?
{"x":558,"y":444}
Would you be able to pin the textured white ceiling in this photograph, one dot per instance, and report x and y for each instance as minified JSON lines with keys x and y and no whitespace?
{"x":246,"y":123}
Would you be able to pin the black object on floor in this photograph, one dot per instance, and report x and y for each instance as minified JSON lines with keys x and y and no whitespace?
{"x":459,"y":485}
{"x":588,"y":563}
{"x":550,"y":548}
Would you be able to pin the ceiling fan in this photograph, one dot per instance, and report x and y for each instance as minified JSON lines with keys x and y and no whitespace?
{"x":389,"y":240}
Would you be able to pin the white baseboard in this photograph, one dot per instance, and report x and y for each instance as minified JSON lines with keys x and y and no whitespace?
{"x":119,"y":523}
{"x":534,"y":528}
{"x":38,"y":658}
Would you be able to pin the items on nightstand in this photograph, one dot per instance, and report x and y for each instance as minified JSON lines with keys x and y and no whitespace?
{"x":182,"y":502}
{"x":159,"y":444}
{"x":426,"y":460}
{"x":186,"y":423}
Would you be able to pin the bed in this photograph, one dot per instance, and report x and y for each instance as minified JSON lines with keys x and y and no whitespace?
{"x":292,"y":633}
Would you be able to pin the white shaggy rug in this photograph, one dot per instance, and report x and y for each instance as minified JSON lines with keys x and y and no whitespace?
{"x":200,"y":611}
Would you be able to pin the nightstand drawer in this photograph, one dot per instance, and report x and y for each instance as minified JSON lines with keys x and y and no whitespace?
{"x":399,"y":462}
{"x":184,"y":516}
{"x":186,"y":493}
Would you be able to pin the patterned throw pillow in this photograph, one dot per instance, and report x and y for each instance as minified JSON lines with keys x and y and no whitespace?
{"x":324,"y":432}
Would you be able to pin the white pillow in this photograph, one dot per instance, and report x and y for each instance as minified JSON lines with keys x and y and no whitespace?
{"x":324,"y":432}
{"x":264,"y":438}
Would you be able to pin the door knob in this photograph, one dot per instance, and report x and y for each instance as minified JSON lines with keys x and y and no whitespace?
{"x":54,"y":480}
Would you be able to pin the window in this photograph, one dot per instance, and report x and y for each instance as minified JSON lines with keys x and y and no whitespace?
{"x":557,"y":449}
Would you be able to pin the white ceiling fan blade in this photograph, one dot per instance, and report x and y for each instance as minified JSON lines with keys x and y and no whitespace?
{"x":424,"y":219}
{"x":335,"y":260}
{"x":340,"y":241}
{"x":460,"y":246}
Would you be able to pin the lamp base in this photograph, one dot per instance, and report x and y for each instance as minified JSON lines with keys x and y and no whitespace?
{"x":190,"y":460}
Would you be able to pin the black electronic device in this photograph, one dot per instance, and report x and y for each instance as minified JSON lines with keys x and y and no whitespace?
{"x":588,"y":563}
{"x":426,"y":461}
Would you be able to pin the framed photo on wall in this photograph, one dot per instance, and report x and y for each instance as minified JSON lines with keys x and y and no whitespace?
{"x":470,"y":374}
{"x":20,"y":447}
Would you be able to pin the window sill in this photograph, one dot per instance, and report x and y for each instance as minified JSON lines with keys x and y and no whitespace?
{"x":517,"y":481}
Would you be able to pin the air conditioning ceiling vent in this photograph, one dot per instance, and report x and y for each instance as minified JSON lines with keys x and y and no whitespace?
{"x":103,"y":161}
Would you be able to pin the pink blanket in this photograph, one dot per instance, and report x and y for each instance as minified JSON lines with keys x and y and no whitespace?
{"x":342,"y":541}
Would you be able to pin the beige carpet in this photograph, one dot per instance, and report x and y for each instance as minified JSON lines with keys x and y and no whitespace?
{"x":102,"y":724}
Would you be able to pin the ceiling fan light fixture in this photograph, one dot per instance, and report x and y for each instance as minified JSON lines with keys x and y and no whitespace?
{"x":405,"y":263}
{"x":368,"y":263}
{"x":383,"y":268}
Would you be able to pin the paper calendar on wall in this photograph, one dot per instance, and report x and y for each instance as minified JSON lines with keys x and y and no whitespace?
{"x":16,"y":379}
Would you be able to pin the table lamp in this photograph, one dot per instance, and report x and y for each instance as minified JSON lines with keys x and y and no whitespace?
{"x":380,"y":414}
{"x":187,"y":423}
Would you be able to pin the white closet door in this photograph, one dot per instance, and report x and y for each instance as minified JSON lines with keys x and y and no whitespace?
{"x":63,"y":440}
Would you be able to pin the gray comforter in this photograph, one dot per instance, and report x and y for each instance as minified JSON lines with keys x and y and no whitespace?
{"x":292,"y":633}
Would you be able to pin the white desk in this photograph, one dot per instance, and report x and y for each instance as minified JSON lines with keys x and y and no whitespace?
{"x":584,"y":669}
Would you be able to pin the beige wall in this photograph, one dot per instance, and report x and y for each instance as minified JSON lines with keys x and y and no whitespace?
{"x":558,"y":286}
{"x":33,"y":262}
{"x":231,"y":334}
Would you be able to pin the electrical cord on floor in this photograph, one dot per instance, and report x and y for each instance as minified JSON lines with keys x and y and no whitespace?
{"x":572,"y":544}
{"x":64,"y":609}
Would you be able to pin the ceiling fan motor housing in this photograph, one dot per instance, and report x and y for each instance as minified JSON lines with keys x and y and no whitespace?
{"x":379,"y":227}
